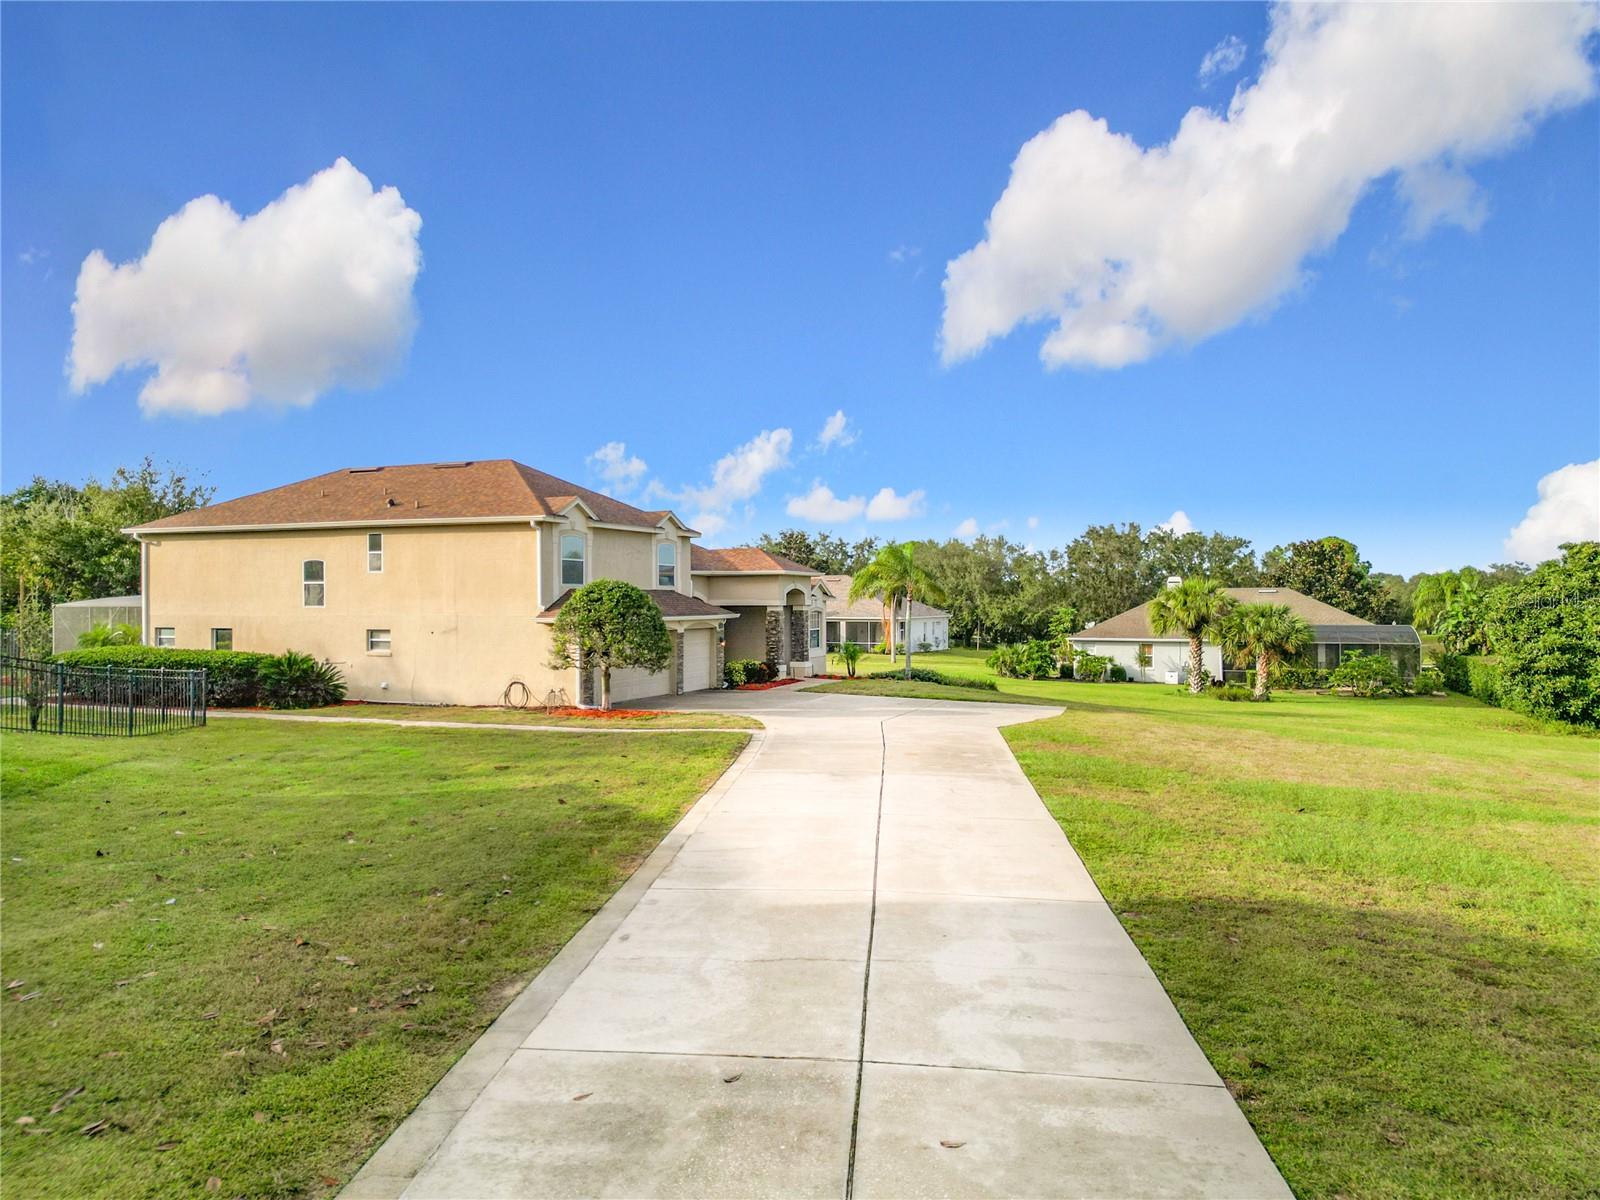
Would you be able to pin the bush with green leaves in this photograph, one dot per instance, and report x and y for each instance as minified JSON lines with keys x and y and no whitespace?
{"x":929,"y":675}
{"x":119,"y":633}
{"x":231,"y":675}
{"x":1233,"y":692}
{"x":1089,"y":668}
{"x":1367,"y":675}
{"x":748,"y":670}
{"x":295,"y":680}
{"x":1486,"y":680}
{"x":1453,"y":672}
{"x":1024,"y":660}
{"x":1545,"y":629}
{"x":1427,"y":681}
{"x":1296,"y":676}
{"x":849,"y":654}
{"x":1118,"y":673}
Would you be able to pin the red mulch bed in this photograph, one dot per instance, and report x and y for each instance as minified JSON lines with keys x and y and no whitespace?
{"x":763,"y":687}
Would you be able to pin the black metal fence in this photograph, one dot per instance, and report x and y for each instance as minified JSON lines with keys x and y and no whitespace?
{"x":51,"y":697}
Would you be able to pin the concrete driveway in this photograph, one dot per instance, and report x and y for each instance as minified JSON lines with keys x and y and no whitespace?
{"x":868,"y":963}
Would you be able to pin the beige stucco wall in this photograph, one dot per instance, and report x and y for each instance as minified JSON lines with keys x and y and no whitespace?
{"x":459,"y":602}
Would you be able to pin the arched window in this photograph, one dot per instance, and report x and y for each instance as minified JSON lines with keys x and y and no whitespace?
{"x":667,"y":564}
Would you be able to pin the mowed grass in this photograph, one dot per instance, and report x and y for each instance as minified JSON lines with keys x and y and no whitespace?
{"x":915,"y":689}
{"x":530,"y":716}
{"x":1381,"y":920}
{"x":243,"y":953}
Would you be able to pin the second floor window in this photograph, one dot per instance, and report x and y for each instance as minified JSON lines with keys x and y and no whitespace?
{"x":667,"y":564}
{"x":573,"y":548}
{"x":375,"y":553}
{"x":312,"y":586}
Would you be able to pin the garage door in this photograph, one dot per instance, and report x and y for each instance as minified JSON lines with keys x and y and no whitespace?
{"x":698,"y":650}
{"x":630,"y":683}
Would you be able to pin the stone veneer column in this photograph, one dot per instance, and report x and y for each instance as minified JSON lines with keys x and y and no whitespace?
{"x":722,"y":653}
{"x":774,"y":636}
{"x":799,"y":636}
{"x":677,"y":661}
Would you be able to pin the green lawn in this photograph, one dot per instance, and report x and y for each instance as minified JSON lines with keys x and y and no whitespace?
{"x":245,"y":952}
{"x":917,"y":690}
{"x":529,"y":716}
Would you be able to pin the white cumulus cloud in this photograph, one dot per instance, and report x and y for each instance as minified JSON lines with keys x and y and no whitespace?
{"x":1178,"y":522}
{"x":967,"y":528}
{"x":1226,"y":57}
{"x":1127,"y":249}
{"x":620,"y":470}
{"x":738,"y":476}
{"x":1568,"y":510}
{"x":1033,"y":522}
{"x":822,"y":506}
{"x":887,"y":506}
{"x":836,"y":431}
{"x":311,"y":293}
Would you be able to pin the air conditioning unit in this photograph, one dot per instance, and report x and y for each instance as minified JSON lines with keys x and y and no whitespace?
{"x":1172,"y":677}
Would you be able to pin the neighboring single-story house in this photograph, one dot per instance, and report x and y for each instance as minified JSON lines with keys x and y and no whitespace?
{"x":438,"y":583}
{"x":861,"y":622}
{"x":1337,"y":635}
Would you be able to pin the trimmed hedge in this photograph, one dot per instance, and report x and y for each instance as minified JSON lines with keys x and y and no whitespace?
{"x":231,"y":675}
{"x":925,"y":675}
{"x":748,"y":670}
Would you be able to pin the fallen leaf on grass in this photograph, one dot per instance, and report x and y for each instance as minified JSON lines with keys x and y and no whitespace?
{"x":583,"y":1095}
{"x":268,"y":1017}
{"x":277,"y":1046}
{"x":66,"y":1099}
{"x":261,"y":1118}
{"x":163,"y":1147}
{"x":26,"y":1120}
{"x":233,"y":1053}
{"x":213,"y":1184}
{"x":29,"y":996}
{"x":112,"y":1054}
{"x":948,"y":1145}
{"x":14,"y":985}
{"x":209,"y":1016}
{"x":94,"y":1128}
{"x":345,"y":959}
{"x":329,"y":1181}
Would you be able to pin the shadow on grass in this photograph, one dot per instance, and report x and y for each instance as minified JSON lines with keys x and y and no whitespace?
{"x":1385,"y":1053}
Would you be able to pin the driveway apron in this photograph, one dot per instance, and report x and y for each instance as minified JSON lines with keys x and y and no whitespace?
{"x":869,"y":964}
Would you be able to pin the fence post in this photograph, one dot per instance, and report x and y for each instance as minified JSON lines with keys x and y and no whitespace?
{"x":61,"y":697}
{"x":203,"y":695}
{"x":131,"y":686}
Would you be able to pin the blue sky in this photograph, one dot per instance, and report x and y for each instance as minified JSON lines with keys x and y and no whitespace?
{"x":679,"y":227}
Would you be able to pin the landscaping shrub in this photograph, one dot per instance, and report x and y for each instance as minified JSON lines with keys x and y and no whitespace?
{"x":1293,"y":676}
{"x":231,"y":675}
{"x":1367,"y":675}
{"x":1002,"y":661}
{"x":1427,"y":681}
{"x":1024,"y":660}
{"x":1231,"y":691}
{"x":120,"y":633}
{"x":747,"y":670}
{"x":295,"y":680}
{"x":1090,"y":668}
{"x":1453,"y":671}
{"x":1485,"y":680}
{"x":928,"y":675}
{"x":1119,"y":673}
{"x":849,"y":654}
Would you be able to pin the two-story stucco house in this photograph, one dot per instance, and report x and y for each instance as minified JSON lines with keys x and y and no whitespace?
{"x":438,"y":583}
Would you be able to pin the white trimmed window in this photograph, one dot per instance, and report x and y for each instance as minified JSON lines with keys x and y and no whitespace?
{"x":574,"y":551}
{"x":377,"y":641}
{"x":375,"y":553}
{"x":222,"y":639}
{"x":667,"y":564}
{"x":166,"y":635}
{"x":313,"y":586}
{"x":815,"y":620}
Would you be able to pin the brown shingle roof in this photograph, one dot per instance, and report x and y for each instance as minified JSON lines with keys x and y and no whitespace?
{"x":742,"y":558}
{"x":671,"y":604}
{"x":868,"y":608}
{"x":1135,"y":623}
{"x":419,"y":492}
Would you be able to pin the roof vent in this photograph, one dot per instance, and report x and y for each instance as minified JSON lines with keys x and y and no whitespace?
{"x":450,"y":465}
{"x":1266,"y":591}
{"x":1173,"y":581}
{"x":1089,"y":624}
{"x":363,"y":470}
{"x":391,"y":502}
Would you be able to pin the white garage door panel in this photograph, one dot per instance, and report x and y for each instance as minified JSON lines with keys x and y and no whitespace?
{"x":697,"y":653}
{"x":631,"y":683}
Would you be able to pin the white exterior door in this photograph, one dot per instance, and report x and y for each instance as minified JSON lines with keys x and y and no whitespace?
{"x":698,"y":650}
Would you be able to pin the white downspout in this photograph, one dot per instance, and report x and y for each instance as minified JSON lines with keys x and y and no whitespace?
{"x":144,"y":589}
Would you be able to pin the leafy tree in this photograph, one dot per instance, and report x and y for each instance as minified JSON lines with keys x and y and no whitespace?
{"x":1194,"y":608}
{"x":1462,"y":626}
{"x":1263,"y":634}
{"x":1108,"y":570}
{"x":1329,"y":569}
{"x":895,"y":576}
{"x":67,"y":543}
{"x":822,"y":552}
{"x":995,"y":590}
{"x":1063,"y":624}
{"x":1217,"y":556}
{"x":608,"y":624}
{"x":1546,"y":630}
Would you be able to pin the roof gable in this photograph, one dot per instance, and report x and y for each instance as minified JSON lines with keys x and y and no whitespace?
{"x":1135,"y":623}
{"x":744,"y":559}
{"x":448,"y":491}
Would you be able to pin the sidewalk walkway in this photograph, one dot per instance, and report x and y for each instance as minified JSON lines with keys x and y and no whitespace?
{"x":867,"y":964}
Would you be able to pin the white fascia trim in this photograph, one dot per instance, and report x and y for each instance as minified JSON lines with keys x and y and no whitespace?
{"x":375,"y":526}
{"x":678,"y":521}
{"x":1090,"y":637}
{"x":763,"y":571}
{"x":577,"y":502}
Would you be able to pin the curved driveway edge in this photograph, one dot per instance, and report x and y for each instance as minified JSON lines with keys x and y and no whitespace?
{"x":867,"y":963}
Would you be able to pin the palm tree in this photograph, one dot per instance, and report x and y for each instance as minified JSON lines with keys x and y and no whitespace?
{"x":895,"y":576}
{"x":1266,"y":633}
{"x":1193,"y":608}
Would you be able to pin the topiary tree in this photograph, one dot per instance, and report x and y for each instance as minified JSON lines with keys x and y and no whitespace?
{"x":1265,"y":634}
{"x":1194,"y":608}
{"x":607,"y":624}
